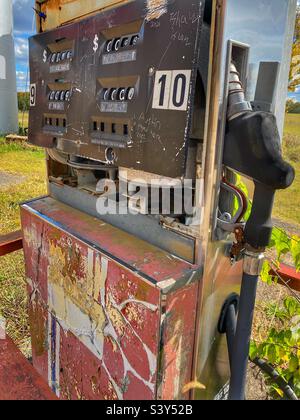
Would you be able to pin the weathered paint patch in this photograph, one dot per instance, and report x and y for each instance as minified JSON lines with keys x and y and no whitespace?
{"x":156,"y":9}
{"x":178,"y":342}
{"x":99,"y":333}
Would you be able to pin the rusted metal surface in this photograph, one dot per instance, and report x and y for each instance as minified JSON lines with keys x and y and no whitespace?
{"x":10,"y":243}
{"x":178,"y":334}
{"x":18,"y":379}
{"x":111,"y":316}
{"x":288,"y":275}
{"x":60,"y":12}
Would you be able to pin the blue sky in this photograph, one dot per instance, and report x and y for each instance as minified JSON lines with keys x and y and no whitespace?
{"x":23,"y":28}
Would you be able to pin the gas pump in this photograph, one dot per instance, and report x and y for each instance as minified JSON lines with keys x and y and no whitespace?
{"x":147,"y":111}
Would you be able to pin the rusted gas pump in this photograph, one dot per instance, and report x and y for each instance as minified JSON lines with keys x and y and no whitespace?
{"x":126,"y":287}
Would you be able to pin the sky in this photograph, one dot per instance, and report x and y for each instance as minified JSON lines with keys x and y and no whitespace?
{"x":24,"y":27}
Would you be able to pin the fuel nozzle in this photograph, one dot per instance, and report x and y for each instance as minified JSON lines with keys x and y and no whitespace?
{"x":237,"y":103}
{"x":253,"y":148}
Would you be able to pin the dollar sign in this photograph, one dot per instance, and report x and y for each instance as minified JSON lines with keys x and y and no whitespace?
{"x":44,"y":56}
{"x":96,"y":44}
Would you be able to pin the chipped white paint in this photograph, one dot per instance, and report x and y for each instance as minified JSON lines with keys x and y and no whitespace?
{"x":128,"y":368}
{"x":72,"y":319}
{"x":87,"y":311}
{"x":31,"y":237}
{"x":147,"y":305}
{"x":152,"y":359}
{"x":166,"y":284}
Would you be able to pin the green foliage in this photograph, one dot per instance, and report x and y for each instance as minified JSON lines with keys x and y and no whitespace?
{"x":295,"y":251}
{"x":292,"y":107}
{"x":243,"y":187}
{"x":281,"y":242}
{"x":23,"y":101}
{"x":294,"y":79}
{"x":284,"y":244}
{"x":282,"y":346}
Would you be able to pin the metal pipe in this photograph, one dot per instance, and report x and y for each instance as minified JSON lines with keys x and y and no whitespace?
{"x":242,"y":338}
{"x":237,"y":103}
{"x":253,"y":261}
{"x":8,"y":86}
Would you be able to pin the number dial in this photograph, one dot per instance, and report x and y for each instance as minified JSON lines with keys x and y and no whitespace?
{"x":171,"y":90}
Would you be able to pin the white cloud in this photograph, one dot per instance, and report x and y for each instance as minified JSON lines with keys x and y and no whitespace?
{"x":21,"y":48}
{"x":22,"y":81}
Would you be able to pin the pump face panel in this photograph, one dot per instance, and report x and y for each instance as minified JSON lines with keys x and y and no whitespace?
{"x":119,"y":87}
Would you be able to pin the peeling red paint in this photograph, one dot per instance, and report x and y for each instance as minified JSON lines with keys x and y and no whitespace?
{"x":178,"y":337}
{"x":96,"y":315}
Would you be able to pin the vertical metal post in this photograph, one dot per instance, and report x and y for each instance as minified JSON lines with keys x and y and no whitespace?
{"x":8,"y":86}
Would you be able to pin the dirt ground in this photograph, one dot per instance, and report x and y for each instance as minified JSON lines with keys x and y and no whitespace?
{"x":10,"y":179}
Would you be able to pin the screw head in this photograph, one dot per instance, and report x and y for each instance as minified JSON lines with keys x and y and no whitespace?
{"x":151,"y":71}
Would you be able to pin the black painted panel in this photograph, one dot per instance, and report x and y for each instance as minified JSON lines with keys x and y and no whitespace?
{"x":131,"y":77}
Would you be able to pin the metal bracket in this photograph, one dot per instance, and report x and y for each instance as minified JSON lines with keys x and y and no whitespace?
{"x":228,"y":223}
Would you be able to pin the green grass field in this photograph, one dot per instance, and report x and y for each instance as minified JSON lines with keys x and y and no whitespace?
{"x":292,"y":124}
{"x":25,"y":175}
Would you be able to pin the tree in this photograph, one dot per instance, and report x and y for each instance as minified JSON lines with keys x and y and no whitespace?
{"x":294,"y":80}
{"x":23,"y":101}
{"x":292,"y":107}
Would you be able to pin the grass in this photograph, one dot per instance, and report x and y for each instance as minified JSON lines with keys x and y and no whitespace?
{"x":288,"y":202}
{"x":23,"y":121}
{"x":28,"y":169}
{"x":292,"y":124}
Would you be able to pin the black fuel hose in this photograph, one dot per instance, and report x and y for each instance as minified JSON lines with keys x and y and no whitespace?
{"x":276,"y":378}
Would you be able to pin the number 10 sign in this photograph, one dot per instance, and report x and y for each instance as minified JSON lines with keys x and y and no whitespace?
{"x":171,"y":90}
